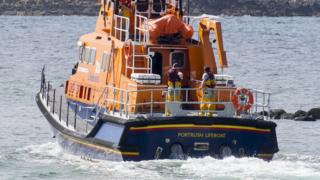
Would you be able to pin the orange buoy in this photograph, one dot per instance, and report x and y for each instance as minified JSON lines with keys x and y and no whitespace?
{"x":237,"y":99}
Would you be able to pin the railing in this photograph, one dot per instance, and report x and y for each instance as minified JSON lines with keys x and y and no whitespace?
{"x":262,"y":102}
{"x":141,"y":30}
{"x":121,"y":27}
{"x":141,"y":37}
{"x":126,"y":103}
{"x":65,"y":112}
{"x":185,"y":102}
{"x":139,"y":57}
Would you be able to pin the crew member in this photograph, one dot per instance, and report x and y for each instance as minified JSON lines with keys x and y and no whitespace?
{"x":126,"y":3}
{"x":174,"y":85}
{"x":207,"y":85}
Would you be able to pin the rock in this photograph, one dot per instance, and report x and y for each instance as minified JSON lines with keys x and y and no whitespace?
{"x":304,"y":118}
{"x":287,"y":116}
{"x":264,"y":113}
{"x":276,"y":113}
{"x":314,"y":112}
{"x":300,"y":113}
{"x":257,"y":7}
{"x":46,"y":7}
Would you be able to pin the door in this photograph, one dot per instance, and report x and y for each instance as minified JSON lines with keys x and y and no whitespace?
{"x":157,"y":64}
{"x":180,"y":58}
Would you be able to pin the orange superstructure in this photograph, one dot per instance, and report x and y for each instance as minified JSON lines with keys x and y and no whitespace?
{"x":144,"y":40}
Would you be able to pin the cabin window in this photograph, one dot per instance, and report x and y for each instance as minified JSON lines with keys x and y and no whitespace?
{"x":105,"y":63}
{"x":110,"y":132}
{"x":178,"y":58}
{"x":81,"y":92}
{"x":159,"y":6}
{"x":81,"y":53}
{"x":86,"y":55}
{"x":85,"y":93}
{"x":92,"y":55}
{"x":66,"y":88}
{"x":142,"y":5}
{"x":89,"y":94}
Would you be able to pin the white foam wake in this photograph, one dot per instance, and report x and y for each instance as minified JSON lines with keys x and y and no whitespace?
{"x":284,"y":166}
{"x":252,"y":168}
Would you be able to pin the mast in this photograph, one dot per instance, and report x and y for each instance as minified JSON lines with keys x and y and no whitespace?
{"x":180,"y":8}
{"x":188,"y":7}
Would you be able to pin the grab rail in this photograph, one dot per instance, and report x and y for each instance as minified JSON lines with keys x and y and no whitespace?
{"x":121,"y":99}
{"x":59,"y":107}
{"x":122,"y":102}
{"x":141,"y":29}
{"x":121,"y":27}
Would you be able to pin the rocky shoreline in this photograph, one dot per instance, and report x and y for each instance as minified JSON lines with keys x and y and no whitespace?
{"x":300,"y":115}
{"x":214,"y":7}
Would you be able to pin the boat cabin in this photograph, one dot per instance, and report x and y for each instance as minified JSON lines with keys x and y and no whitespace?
{"x":123,"y":64}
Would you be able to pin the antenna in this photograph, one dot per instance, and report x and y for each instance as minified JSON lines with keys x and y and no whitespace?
{"x":188,"y":7}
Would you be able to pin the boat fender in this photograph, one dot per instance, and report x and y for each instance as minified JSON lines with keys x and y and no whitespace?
{"x":237,"y":99}
{"x":128,"y":51}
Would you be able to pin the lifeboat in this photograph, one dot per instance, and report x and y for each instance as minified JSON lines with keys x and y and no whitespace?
{"x":168,"y":25}
{"x":148,"y":85}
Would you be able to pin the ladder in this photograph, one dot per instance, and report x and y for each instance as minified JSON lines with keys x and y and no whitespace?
{"x":141,"y":60}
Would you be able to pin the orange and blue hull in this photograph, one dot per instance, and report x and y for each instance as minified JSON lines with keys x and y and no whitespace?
{"x":200,"y":136}
{"x":138,"y":139}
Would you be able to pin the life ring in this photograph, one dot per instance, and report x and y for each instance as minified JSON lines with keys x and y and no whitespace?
{"x":128,"y":51}
{"x":236,"y":99}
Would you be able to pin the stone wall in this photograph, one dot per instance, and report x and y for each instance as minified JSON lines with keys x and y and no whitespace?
{"x":215,"y":7}
{"x":48,"y":7}
{"x":257,"y":7}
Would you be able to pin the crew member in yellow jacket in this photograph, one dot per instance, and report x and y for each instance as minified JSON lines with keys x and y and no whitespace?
{"x":174,"y":85}
{"x":208,"y":84}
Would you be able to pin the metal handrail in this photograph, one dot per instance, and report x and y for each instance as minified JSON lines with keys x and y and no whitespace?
{"x":123,"y":101}
{"x":216,"y":90}
{"x":54,"y":102}
{"x":120,"y":98}
{"x":142,"y":33}
{"x":121,"y":25}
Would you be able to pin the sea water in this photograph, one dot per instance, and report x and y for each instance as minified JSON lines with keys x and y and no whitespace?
{"x":281,"y":55}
